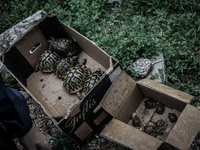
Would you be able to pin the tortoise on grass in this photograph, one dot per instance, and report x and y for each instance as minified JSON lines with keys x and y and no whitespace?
{"x":47,"y":61}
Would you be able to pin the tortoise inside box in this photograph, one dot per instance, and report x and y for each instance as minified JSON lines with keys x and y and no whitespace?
{"x":196,"y":142}
{"x":125,"y":97}
{"x":152,"y":121}
{"x":130,"y":98}
{"x":21,"y":60}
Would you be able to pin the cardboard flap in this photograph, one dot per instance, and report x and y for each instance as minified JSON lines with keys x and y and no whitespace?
{"x":117,"y":93}
{"x":130,"y":136}
{"x":186,"y":128}
{"x":91,"y":49}
{"x":32,"y":45}
{"x":166,"y":90}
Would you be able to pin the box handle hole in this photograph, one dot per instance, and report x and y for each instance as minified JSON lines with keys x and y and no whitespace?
{"x":34,"y":48}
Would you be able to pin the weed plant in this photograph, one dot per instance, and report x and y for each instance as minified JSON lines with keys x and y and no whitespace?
{"x":130,"y":29}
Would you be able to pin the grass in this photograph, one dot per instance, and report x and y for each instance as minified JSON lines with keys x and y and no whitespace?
{"x":128,"y":30}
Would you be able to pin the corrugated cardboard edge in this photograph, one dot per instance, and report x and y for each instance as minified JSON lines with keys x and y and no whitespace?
{"x":121,"y":132}
{"x":129,"y":136}
{"x":76,"y":36}
{"x":114,"y":98}
{"x":166,"y":90}
{"x":186,"y":128}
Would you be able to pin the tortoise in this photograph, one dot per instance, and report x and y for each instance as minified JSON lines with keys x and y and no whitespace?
{"x":65,"y":47}
{"x":47,"y":61}
{"x":149,"y":129}
{"x":64,"y":65}
{"x":150,"y":103}
{"x":142,"y":67}
{"x":196,"y":143}
{"x":75,"y":77}
{"x":156,"y":128}
{"x":198,"y":138}
{"x":90,"y":82}
{"x":161,"y":125}
{"x":136,"y":121}
{"x":160,"y":109}
{"x":172,"y":117}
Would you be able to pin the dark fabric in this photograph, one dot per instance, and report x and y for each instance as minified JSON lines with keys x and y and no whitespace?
{"x":6,"y":143}
{"x":14,"y":112}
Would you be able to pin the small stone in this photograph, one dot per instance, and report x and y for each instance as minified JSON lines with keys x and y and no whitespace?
{"x":198,"y":105}
{"x":54,"y":130}
{"x":158,"y":70}
{"x":40,"y":125}
{"x":49,"y":122}
{"x":112,"y":1}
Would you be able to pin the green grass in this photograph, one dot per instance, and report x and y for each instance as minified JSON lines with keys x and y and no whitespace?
{"x":130,"y":29}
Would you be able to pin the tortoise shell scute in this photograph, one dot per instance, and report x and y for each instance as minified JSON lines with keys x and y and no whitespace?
{"x":47,"y":61}
{"x":74,"y":78}
{"x":64,"y":47}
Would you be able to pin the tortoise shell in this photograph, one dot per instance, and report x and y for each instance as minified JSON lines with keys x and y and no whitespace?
{"x":150,"y":103}
{"x":136,"y":121}
{"x":149,"y":129}
{"x":172,"y":117}
{"x":160,"y":109}
{"x":64,"y":65}
{"x":91,"y":81}
{"x":198,"y":138}
{"x":47,"y":61}
{"x":65,"y":47}
{"x":161,"y":125}
{"x":75,"y":77}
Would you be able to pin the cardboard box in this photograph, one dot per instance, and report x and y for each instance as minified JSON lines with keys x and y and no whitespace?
{"x":126,"y":96}
{"x":78,"y":119}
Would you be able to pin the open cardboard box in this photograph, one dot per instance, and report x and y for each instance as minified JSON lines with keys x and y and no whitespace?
{"x":126,"y":96}
{"x":77,"y":118}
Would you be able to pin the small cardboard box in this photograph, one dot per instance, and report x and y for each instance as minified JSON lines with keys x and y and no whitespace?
{"x":77,"y":118}
{"x":126,"y":96}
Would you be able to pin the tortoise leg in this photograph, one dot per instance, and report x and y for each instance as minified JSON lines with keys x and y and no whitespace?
{"x":79,"y":94}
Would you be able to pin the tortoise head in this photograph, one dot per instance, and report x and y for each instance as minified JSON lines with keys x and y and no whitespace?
{"x":99,"y":72}
{"x":74,"y":59}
